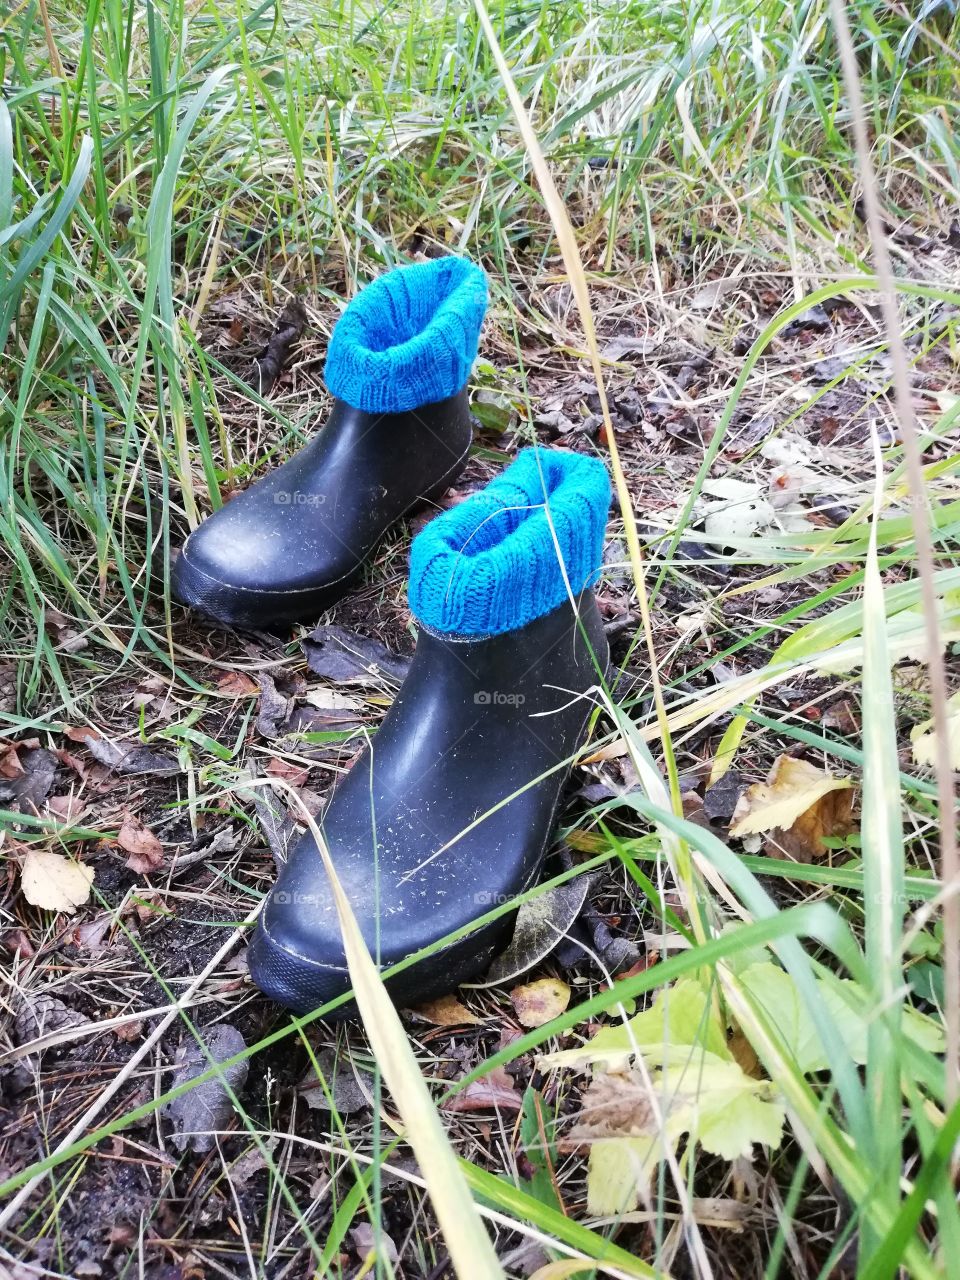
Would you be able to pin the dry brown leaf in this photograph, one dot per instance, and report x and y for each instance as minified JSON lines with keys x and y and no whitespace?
{"x":493,"y":1092}
{"x":540,"y":1002}
{"x":68,"y":808}
{"x":145,"y":850}
{"x":56,"y":883}
{"x":237,"y":684}
{"x":799,"y":805}
{"x":295,"y":774}
{"x":617,"y":1104}
{"x":446,"y":1012}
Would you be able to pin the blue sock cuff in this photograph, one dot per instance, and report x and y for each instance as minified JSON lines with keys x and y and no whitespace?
{"x":490,"y":564}
{"x":409,"y":338}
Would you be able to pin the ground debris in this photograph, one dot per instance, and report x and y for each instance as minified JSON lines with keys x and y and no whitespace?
{"x":268,"y":366}
{"x":343,"y":656}
{"x":27,"y":790}
{"x":198,"y":1114}
{"x":123,"y":757}
{"x":349,"y":1090}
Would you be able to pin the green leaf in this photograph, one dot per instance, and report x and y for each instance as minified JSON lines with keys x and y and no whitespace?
{"x":691,"y":1086}
{"x":617,"y":1167}
{"x":680,"y":1017}
{"x":777,"y":996}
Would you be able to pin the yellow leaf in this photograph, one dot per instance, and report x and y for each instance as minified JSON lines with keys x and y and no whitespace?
{"x":54,"y":882}
{"x":924,"y":738}
{"x":446,"y":1012}
{"x":793,"y":788}
{"x":618,"y":1169}
{"x":539,"y":1002}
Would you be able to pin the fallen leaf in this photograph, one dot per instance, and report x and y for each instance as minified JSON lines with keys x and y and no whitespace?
{"x":370,"y":1244}
{"x":539,"y":1002}
{"x":924,"y":738}
{"x":274,"y":708}
{"x":56,"y":883}
{"x":699,"y":1088}
{"x":332,"y":700}
{"x":200,"y":1112}
{"x":720,"y":801}
{"x":842,"y":717}
{"x":776,"y":993}
{"x":28,"y":787}
{"x":541,"y":924}
{"x":122,"y":757}
{"x":68,"y":808}
{"x":90,"y":936}
{"x":295,"y":774}
{"x":446,"y":1012}
{"x":495,"y":1091}
{"x":268,"y":366}
{"x":236,"y":684}
{"x":737,"y":518}
{"x":800,"y":804}
{"x":145,"y":850}
{"x":342,"y":656}
{"x":17,"y":940}
{"x":348,"y":1089}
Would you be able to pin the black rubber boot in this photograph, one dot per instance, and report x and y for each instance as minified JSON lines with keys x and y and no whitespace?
{"x":291,"y":545}
{"x":447,"y":814}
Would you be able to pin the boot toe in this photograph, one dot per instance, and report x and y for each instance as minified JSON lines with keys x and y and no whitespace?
{"x":300,"y":982}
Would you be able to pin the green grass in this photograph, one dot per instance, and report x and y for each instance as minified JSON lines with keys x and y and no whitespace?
{"x":166,"y":170}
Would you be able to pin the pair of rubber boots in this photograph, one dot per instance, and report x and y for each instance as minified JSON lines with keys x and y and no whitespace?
{"x":450,"y":809}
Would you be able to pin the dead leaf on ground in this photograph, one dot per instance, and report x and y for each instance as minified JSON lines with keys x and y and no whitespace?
{"x":350,"y":1090}
{"x":56,"y":883}
{"x":10,"y":764}
{"x":274,"y":708}
{"x":123,"y":757}
{"x":236,"y":684}
{"x":447,"y":1011}
{"x":26,"y":789}
{"x":342,"y":656}
{"x":539,"y":1002}
{"x":269,"y":364}
{"x":541,"y":924}
{"x":145,"y":850}
{"x":495,"y":1091}
{"x":295,"y":774}
{"x":615,"y":1104}
{"x":200,"y":1112}
{"x":68,"y":808}
{"x":799,"y":806}
{"x":720,"y":801}
{"x":370,"y":1244}
{"x":924,"y":738}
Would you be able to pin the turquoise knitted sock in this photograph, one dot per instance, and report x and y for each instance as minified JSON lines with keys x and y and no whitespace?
{"x":409,"y":338}
{"x":490,"y":564}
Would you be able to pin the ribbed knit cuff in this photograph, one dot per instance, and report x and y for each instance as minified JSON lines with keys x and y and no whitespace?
{"x":490,"y":564}
{"x":409,"y":338}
